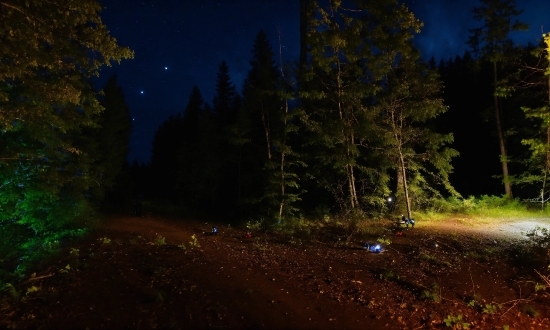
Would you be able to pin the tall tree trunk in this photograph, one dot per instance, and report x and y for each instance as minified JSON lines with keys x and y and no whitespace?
{"x":265,"y":122}
{"x":547,"y":164}
{"x":503,"y":154}
{"x":404,"y":178}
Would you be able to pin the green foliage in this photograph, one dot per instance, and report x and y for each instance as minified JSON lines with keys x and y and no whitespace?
{"x":194,"y":242}
{"x":47,"y":165}
{"x":481,"y":207}
{"x":389,"y":276}
{"x":160,"y":240}
{"x":540,"y":287}
{"x":12,"y":291}
{"x":74,"y":252}
{"x":65,"y":270}
{"x":435,"y":260}
{"x":32,"y":289}
{"x":105,"y":240}
{"x":491,"y":308}
{"x":433,"y":293}
{"x":455,"y":322}
{"x":529,"y":310}
{"x":384,"y":240}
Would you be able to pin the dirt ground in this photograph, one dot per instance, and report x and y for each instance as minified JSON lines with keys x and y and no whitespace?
{"x":153,"y":272}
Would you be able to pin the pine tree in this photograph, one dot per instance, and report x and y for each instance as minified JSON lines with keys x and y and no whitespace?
{"x":225,"y":153}
{"x":197,"y":163}
{"x":349,"y":59}
{"x":224,"y":100}
{"x":113,"y":134}
{"x":492,"y":42}
{"x":164,"y":166}
{"x":262,"y":106}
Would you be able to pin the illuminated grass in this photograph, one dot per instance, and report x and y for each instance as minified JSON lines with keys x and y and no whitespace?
{"x":483,"y":210}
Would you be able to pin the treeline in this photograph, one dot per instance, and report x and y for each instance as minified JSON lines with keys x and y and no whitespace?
{"x":339,"y":132}
{"x":359,"y":118}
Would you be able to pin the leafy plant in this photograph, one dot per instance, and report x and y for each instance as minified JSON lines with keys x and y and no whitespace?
{"x":540,"y":287}
{"x":455,"y":322}
{"x":433,"y":293}
{"x":435,"y":260}
{"x":384,"y":240}
{"x":32,"y":289}
{"x":12,"y":291}
{"x":65,"y":270}
{"x":74,"y":252}
{"x":194,"y":242}
{"x":474,"y":301}
{"x":389,"y":276}
{"x":160,"y":240}
{"x":529,"y":310}
{"x":491,"y":308}
{"x":105,"y":240}
{"x":254,"y":225}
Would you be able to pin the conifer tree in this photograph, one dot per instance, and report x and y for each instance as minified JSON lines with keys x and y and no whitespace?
{"x":492,"y":42}
{"x":262,"y":105}
{"x":349,"y":60}
{"x":166,"y":143}
{"x":113,"y":134}
{"x":225,"y":153}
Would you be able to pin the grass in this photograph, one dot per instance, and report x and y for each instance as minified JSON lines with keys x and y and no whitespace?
{"x":482,"y":210}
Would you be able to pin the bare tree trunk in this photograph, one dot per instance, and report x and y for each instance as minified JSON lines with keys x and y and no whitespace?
{"x":503,"y":153}
{"x":266,"y":130}
{"x":547,"y":164}
{"x":351,"y":178}
{"x":404,"y":176}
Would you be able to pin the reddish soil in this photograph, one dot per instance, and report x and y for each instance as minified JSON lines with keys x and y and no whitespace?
{"x":123,"y":276}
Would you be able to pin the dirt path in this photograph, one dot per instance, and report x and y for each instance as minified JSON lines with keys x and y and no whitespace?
{"x":515,"y":229}
{"x":151,"y":273}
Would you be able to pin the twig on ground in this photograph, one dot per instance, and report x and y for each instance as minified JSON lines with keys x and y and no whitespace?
{"x":544,"y":278}
{"x":515,"y":302}
{"x":39,"y":277}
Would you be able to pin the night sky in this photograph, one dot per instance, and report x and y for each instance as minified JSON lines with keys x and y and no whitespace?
{"x":179,"y":44}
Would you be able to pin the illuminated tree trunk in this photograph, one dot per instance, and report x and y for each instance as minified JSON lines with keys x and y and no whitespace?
{"x":404,"y":181}
{"x":547,"y":164}
{"x":503,"y":153}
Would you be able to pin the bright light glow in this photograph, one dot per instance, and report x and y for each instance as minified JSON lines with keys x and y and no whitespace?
{"x":389,"y":199}
{"x":165,"y":68}
{"x":141,"y":92}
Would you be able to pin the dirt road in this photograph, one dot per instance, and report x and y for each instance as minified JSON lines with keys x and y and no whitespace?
{"x":162,"y":273}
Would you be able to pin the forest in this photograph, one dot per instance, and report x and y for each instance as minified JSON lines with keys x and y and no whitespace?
{"x":358,"y":118}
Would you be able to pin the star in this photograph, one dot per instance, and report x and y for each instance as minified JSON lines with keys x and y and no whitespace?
{"x":141,"y":92}
{"x":165,"y":68}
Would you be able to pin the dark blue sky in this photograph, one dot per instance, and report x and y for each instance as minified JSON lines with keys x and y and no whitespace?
{"x":179,"y":44}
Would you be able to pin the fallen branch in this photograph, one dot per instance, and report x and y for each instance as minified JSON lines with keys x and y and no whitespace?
{"x":515,"y":301}
{"x":39,"y":277}
{"x":544,"y":278}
